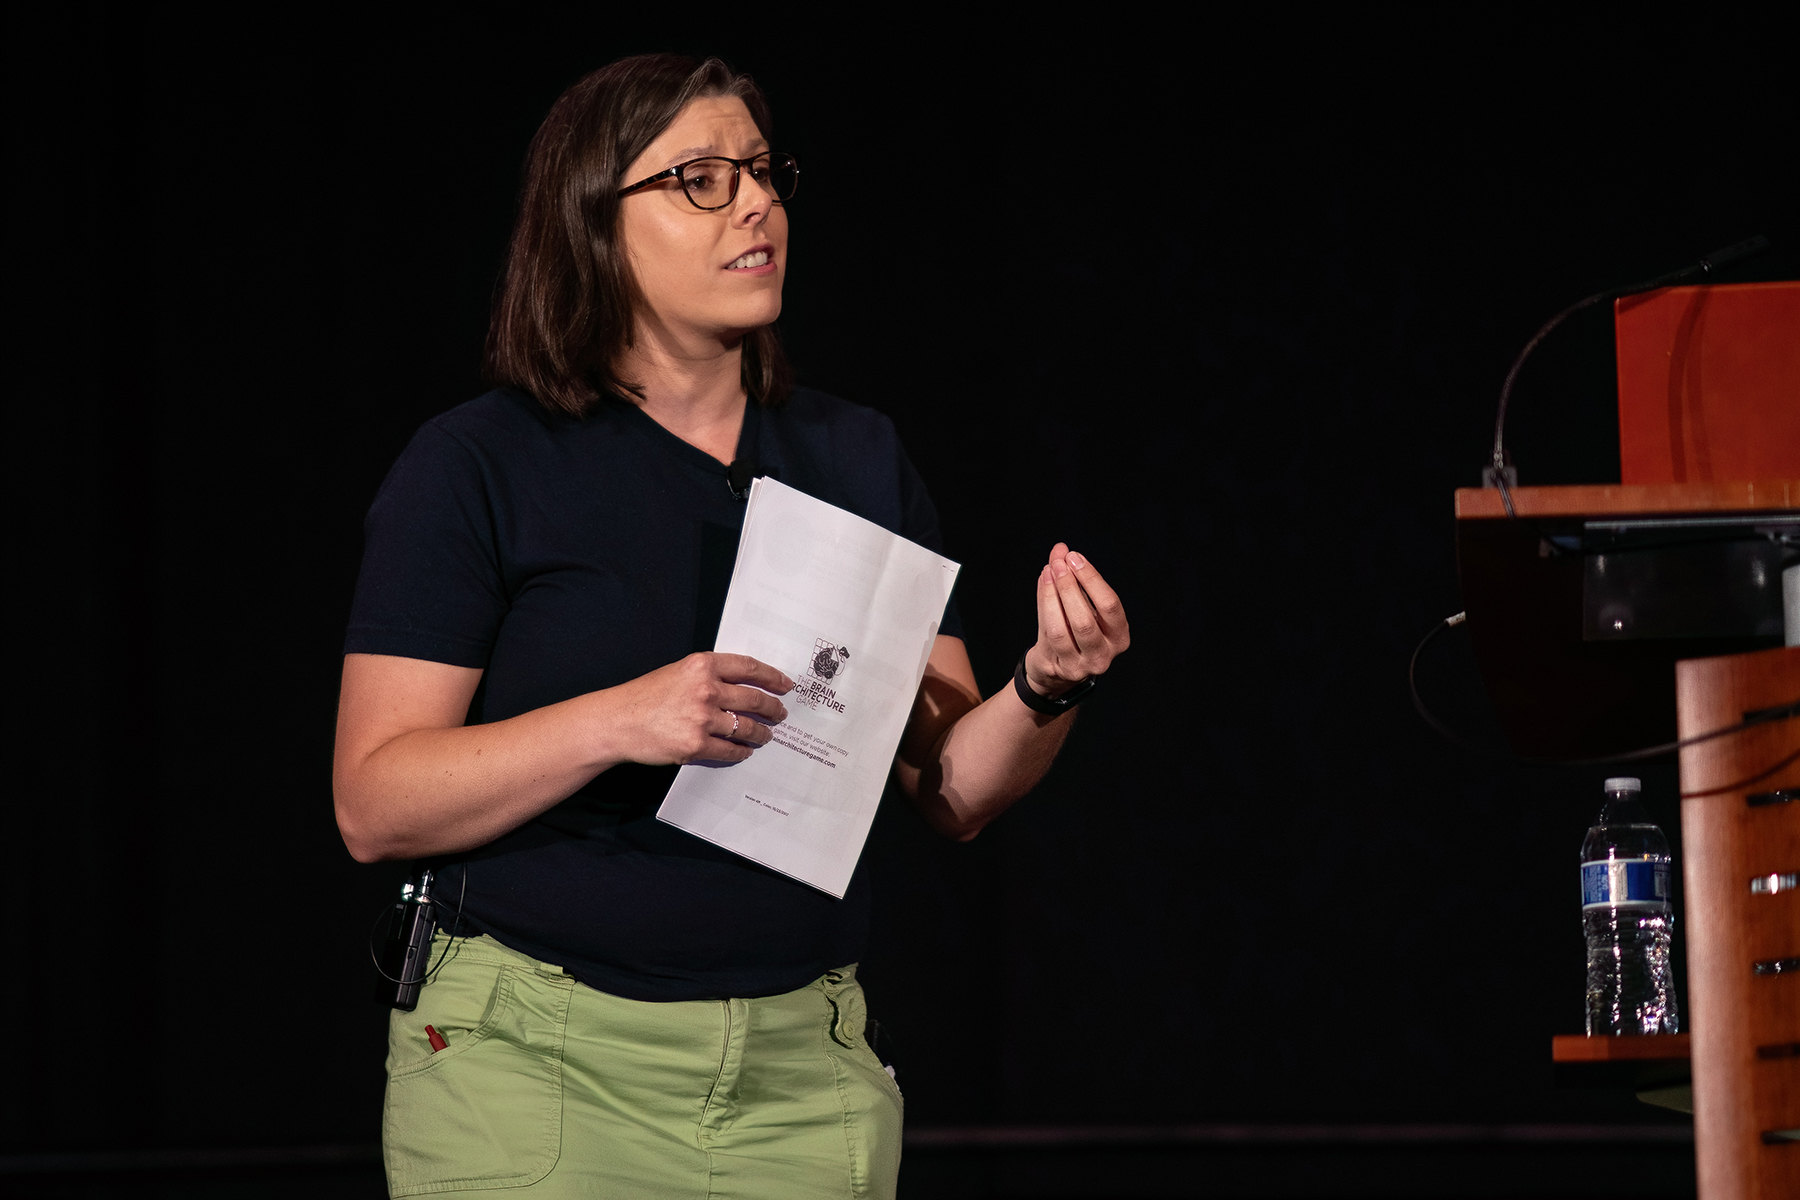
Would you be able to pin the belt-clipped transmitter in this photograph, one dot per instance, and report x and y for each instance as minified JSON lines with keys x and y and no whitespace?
{"x":404,"y":960}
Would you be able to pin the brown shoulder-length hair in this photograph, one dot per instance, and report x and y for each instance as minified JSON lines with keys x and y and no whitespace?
{"x":564,"y":313}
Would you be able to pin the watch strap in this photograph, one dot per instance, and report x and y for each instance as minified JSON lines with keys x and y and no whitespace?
{"x":1053,"y":706}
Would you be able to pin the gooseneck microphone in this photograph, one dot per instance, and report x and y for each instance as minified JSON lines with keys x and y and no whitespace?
{"x":1701,"y":270}
{"x":1499,"y":473}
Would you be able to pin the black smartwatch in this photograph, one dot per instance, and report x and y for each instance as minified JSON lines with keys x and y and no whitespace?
{"x":1051,"y":707}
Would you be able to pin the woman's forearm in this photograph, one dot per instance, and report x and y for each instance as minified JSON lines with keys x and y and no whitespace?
{"x":410,"y":780}
{"x":435,"y":791}
{"x":990,"y":757}
{"x":965,"y":761}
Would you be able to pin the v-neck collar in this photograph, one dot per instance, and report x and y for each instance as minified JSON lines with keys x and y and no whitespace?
{"x":748,"y":433}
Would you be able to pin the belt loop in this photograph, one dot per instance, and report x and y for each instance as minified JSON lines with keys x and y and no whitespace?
{"x":847,"y":1013}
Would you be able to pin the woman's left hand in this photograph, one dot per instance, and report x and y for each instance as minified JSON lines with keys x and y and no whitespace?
{"x":1081,"y":625}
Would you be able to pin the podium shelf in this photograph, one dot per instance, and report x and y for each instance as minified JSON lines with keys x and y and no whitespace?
{"x":1579,"y":1048}
{"x":1589,"y":500}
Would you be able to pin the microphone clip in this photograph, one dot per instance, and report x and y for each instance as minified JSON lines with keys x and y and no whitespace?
{"x":739,"y":476}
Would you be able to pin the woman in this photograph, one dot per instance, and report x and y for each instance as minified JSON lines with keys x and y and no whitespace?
{"x":639,"y":1012}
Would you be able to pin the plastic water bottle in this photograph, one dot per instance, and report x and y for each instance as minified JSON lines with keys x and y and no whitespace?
{"x":1627,"y":913}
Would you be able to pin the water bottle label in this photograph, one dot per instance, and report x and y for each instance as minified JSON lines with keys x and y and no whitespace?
{"x":1624,"y":881}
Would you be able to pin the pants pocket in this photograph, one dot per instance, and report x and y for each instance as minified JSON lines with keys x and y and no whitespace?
{"x":485,"y":1111}
{"x":850,"y":1017}
{"x":874,"y":1112}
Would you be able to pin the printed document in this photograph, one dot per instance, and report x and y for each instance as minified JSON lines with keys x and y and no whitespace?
{"x":849,"y":612}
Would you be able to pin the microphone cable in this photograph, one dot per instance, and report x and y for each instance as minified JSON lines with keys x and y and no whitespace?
{"x":1779,"y":712}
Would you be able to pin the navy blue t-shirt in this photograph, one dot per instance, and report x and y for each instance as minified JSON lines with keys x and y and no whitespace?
{"x":563,"y":556}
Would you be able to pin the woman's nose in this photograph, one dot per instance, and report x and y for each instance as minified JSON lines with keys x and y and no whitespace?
{"x":753,"y":200}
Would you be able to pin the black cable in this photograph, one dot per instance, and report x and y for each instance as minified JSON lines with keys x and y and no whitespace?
{"x":1780,"y":712}
{"x":456,"y":926}
{"x":1412,"y":681}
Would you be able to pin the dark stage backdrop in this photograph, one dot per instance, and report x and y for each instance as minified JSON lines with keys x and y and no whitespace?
{"x":1229,"y":318}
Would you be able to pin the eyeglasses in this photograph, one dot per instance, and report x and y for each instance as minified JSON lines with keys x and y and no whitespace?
{"x":712,"y":183}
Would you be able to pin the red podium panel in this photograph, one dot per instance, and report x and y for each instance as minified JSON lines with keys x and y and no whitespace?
{"x":1709,"y":383}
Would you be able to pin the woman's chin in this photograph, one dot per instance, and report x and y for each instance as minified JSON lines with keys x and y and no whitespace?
{"x":747,"y":321}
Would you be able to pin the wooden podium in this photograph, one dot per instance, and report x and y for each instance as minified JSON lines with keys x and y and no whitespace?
{"x":1566,"y":683}
{"x":1617,"y":617}
{"x":1740,"y":830}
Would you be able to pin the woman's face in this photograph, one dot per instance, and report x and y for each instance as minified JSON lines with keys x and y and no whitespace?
{"x":695,"y":268}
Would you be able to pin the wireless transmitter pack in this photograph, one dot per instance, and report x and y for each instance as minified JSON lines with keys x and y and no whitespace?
{"x":405,"y":956}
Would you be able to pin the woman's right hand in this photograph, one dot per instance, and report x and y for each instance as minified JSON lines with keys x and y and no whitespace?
{"x":708,"y":707}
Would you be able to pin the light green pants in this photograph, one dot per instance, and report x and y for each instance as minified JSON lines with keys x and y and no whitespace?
{"x":548,"y":1088}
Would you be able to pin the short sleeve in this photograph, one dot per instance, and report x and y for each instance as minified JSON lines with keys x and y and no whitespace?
{"x":919,"y":523}
{"x":431,"y":584}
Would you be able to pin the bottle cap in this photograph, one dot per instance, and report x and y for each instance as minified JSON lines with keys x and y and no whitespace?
{"x":1624,"y":783}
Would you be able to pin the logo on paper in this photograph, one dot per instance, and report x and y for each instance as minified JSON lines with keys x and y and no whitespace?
{"x":827,"y":666}
{"x":829,"y":661}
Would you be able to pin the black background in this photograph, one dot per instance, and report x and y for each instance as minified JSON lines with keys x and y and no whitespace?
{"x":1226,"y":307}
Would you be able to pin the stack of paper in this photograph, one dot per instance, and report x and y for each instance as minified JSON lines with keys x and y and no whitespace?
{"x":850,"y":612}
